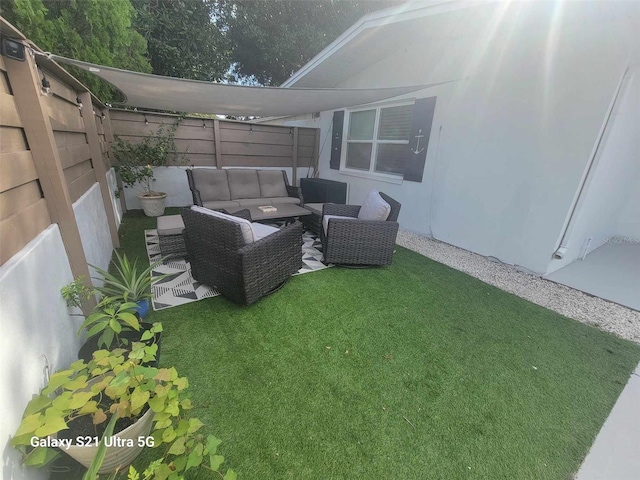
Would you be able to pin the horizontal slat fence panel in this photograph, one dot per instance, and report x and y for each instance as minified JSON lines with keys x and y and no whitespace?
{"x":15,"y":199}
{"x":17,"y":169}
{"x":23,"y":210}
{"x":13,"y":140}
{"x":70,"y":156}
{"x":80,"y":185}
{"x":19,"y":229}
{"x":241,"y":143}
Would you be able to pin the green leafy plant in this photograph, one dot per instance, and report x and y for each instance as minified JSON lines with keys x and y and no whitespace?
{"x":117,"y":383}
{"x":109,"y":320}
{"x":75,"y":292}
{"x":129,"y":282}
{"x":135,"y":161}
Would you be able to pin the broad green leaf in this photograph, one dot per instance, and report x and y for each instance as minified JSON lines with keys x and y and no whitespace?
{"x":194,"y":459}
{"x":178,"y":447}
{"x":29,"y":424}
{"x":80,"y":399}
{"x":115,"y":325}
{"x":51,"y":425}
{"x":76,"y":383}
{"x":168,"y":435}
{"x":89,"y":407}
{"x":37,"y":404}
{"x":216,"y":461}
{"x":130,"y":320}
{"x":230,"y":475}
{"x":182,"y":428}
{"x":181,"y":383}
{"x":164,"y":375}
{"x":41,"y":456}
{"x":56,"y":380}
{"x":195,"y":425}
{"x":60,"y":403}
{"x":138,"y":399}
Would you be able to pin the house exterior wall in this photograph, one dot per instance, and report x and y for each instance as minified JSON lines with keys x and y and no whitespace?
{"x":37,"y":331}
{"x":514,"y":130}
{"x":610,"y":206}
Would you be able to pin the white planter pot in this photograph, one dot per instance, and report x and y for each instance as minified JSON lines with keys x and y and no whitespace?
{"x":153,"y":206}
{"x":117,"y":457}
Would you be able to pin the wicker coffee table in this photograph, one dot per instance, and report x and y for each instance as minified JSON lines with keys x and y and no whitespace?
{"x":285,"y":211}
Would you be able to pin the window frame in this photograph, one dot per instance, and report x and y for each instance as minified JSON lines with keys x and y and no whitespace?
{"x":371,"y":172}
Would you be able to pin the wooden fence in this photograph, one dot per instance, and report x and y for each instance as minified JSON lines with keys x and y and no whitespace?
{"x":224,"y":143}
{"x":54,"y":146}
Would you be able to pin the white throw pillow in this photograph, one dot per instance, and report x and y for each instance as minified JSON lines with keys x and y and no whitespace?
{"x":374,"y":207}
{"x":245,"y":225}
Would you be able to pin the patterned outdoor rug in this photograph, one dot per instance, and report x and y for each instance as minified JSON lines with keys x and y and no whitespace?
{"x":180,"y":287}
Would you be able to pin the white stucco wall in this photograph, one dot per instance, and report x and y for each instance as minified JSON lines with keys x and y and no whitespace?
{"x":94,"y":227}
{"x":610,"y":206}
{"x":35,"y":324}
{"x":173,"y":181}
{"x":528,"y":96}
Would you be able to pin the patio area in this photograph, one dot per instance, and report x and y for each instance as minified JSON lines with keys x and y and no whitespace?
{"x":399,"y":371}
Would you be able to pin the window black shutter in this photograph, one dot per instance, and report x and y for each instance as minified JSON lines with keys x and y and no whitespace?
{"x":419,"y":139}
{"x":336,"y":139}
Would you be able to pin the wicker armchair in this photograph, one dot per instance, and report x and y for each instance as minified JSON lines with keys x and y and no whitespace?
{"x":349,"y":241}
{"x":242,"y":273}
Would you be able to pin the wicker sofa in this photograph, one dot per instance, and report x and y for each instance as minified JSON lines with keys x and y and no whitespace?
{"x":349,"y":240}
{"x":230,"y":189}
{"x":242,"y":271}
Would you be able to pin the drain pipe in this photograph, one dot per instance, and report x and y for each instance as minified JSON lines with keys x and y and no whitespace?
{"x":562,"y":249}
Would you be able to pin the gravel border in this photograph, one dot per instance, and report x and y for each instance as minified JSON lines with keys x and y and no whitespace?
{"x":611,"y":317}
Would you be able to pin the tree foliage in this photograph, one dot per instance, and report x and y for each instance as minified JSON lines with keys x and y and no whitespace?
{"x":182,"y":39}
{"x":271,"y":39}
{"x":95,"y":31}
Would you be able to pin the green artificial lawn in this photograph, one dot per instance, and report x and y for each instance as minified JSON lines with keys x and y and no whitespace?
{"x":412,"y":371}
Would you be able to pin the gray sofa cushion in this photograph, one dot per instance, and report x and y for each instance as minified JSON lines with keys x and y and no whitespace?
{"x":272,"y":183}
{"x":374,"y":207}
{"x":248,"y":202}
{"x":212,"y":184}
{"x":220,"y":204}
{"x":243,"y":183}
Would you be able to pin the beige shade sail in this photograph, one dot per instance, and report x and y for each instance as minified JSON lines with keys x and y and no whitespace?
{"x":143,"y":90}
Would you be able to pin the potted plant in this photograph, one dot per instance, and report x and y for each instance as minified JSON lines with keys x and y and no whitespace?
{"x":128,"y":283}
{"x":113,"y":323}
{"x":150,"y":402}
{"x":135,"y":162}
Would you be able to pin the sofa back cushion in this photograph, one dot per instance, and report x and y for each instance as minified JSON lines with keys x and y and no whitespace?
{"x":243,"y":183}
{"x":272,"y":183}
{"x":374,"y":207}
{"x":212,"y":184}
{"x":245,"y":225}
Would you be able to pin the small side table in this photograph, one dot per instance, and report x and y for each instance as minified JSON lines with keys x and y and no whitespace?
{"x":170,"y":237}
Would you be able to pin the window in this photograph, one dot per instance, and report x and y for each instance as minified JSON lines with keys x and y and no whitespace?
{"x":377,"y":139}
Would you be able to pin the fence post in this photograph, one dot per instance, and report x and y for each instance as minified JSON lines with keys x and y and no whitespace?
{"x":218,"y":143}
{"x":37,"y":129}
{"x":294,"y":157}
{"x":89,"y":117}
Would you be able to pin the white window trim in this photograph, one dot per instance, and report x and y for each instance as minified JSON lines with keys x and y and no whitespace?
{"x":371,"y":173}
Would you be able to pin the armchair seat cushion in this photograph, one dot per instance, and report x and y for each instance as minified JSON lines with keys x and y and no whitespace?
{"x":374,"y":207}
{"x":260,"y":230}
